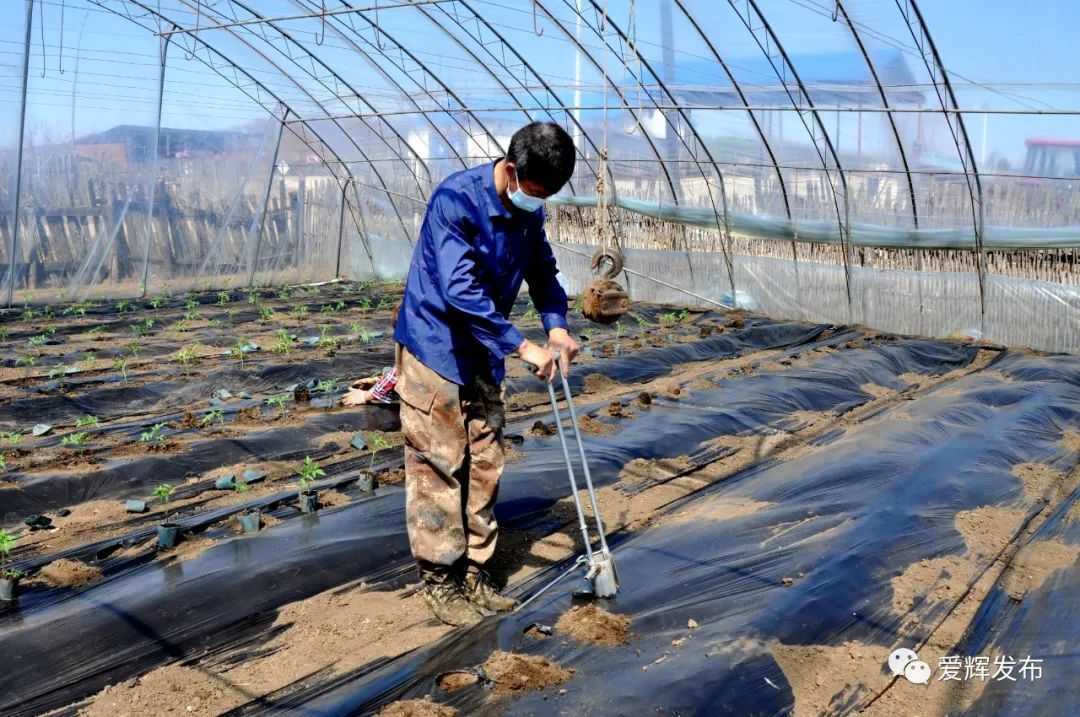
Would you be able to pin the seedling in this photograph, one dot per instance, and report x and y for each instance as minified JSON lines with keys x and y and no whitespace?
{"x":579,"y":303}
{"x":266,"y":314}
{"x":285,"y":293}
{"x":3,"y":333}
{"x":75,"y":440}
{"x":156,"y":302}
{"x":674,"y":317}
{"x":253,"y":297}
{"x":531,"y":312}
{"x":87,"y":421}
{"x":164,"y":494}
{"x":376,"y":442}
{"x":134,"y":348}
{"x":11,"y":437}
{"x":279,"y":401}
{"x":192,"y":315}
{"x":223,"y":298}
{"x":59,"y":372}
{"x":3,"y":462}
{"x":50,"y":330}
{"x":28,"y":314}
{"x":334,"y":308}
{"x":384,"y":303}
{"x":214,"y":323}
{"x":143,"y":328}
{"x":89,"y":356}
{"x":366,"y":336}
{"x":38,"y":341}
{"x":364,"y":303}
{"x":214,"y":414}
{"x":300,"y":311}
{"x":48,"y":312}
{"x":329,"y":385}
{"x":179,"y":325}
{"x":7,"y":542}
{"x":642,"y":321}
{"x":124,"y":306}
{"x":618,"y":330}
{"x":240,"y":486}
{"x":121,"y":365}
{"x":155,"y":435}
{"x":26,"y":361}
{"x":354,"y":328}
{"x":309,"y":473}
{"x":238,"y":350}
{"x":311,"y":290}
{"x":185,"y":357}
{"x":99,"y":329}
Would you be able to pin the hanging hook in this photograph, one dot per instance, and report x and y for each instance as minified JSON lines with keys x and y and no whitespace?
{"x":378,"y":30}
{"x":194,"y":35}
{"x":538,"y":31}
{"x":836,"y":10}
{"x":320,"y":38}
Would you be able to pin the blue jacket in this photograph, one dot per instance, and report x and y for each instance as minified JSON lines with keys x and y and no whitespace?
{"x":466,"y":272}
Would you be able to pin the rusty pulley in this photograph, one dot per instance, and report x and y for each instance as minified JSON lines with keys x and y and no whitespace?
{"x":604,"y":301}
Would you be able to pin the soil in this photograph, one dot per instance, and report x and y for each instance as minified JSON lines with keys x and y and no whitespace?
{"x":542,"y":429}
{"x":515,"y":674}
{"x":332,"y":498}
{"x":594,"y":427}
{"x":1034,"y":563}
{"x":716,"y":509}
{"x":529,"y":399}
{"x":1071,"y":441}
{"x":876,"y":391}
{"x":615,"y":409}
{"x":66,"y":573}
{"x":594,"y":625}
{"x":597,"y":382}
{"x":1037,"y":479}
{"x":189,"y":547}
{"x":453,"y":681}
{"x":644,"y":399}
{"x":417,"y":708}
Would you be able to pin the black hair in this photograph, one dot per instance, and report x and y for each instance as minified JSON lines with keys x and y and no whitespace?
{"x":543,"y":153}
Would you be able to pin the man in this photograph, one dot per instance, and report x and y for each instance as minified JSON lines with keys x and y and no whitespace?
{"x":482,"y":236}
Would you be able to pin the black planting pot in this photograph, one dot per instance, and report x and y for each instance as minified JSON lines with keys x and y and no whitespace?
{"x":367,"y":482}
{"x":250,"y":521}
{"x":7,"y":589}
{"x":167,"y":534}
{"x":309,"y":501}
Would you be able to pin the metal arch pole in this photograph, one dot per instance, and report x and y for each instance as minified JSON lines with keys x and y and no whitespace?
{"x":809,"y":102}
{"x":12,"y":255}
{"x":319,"y":104}
{"x":266,"y":202}
{"x":333,"y":25}
{"x":153,"y":167}
{"x":607,"y":79}
{"x":427,"y":71}
{"x":726,"y":229}
{"x":528,"y":66}
{"x":341,"y":227}
{"x":520,"y":107}
{"x":236,"y":67}
{"x":742,"y":97}
{"x":351,"y":89}
{"x":885,"y":103}
{"x":362,"y":227}
{"x":963,"y":143}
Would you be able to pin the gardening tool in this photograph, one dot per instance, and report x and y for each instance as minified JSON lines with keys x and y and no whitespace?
{"x":601,"y":580}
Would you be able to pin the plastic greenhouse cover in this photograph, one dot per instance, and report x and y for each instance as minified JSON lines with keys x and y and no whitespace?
{"x":825,"y":232}
{"x":139,"y":616}
{"x":846,"y":520}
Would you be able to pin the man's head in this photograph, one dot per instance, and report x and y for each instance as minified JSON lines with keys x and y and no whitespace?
{"x":540,"y":159}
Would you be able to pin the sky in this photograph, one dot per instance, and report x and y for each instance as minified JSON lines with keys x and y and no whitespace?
{"x":102,"y":69}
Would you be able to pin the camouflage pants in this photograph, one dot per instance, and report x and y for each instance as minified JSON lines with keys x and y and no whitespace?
{"x":453,"y":462}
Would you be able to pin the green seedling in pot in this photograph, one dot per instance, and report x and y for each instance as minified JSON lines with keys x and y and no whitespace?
{"x":157,"y":302}
{"x":329,"y":385}
{"x":164,"y":494}
{"x":59,"y":372}
{"x":311,"y":289}
{"x":192,"y":315}
{"x":214,"y":414}
{"x":50,"y":330}
{"x":223,"y":298}
{"x":364,"y":303}
{"x":133,"y":348}
{"x":7,"y":542}
{"x":300,"y":311}
{"x":366,"y":337}
{"x":376,"y":443}
{"x":38,"y":341}
{"x":285,"y":293}
{"x":99,"y":329}
{"x":253,"y":297}
{"x":87,"y":421}
{"x":237,"y":350}
{"x":121,"y":365}
{"x":266,"y":314}
{"x":282,"y":345}
{"x":155,"y":435}
{"x":28,"y":314}
{"x":89,"y":356}
{"x":279,"y":401}
{"x":354,"y":328}
{"x":185,"y":357}
{"x":309,"y":473}
{"x":3,"y":333}
{"x":124,"y":306}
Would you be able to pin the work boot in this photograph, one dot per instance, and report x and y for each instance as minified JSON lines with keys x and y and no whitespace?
{"x":448,"y":603}
{"x":481,"y":593}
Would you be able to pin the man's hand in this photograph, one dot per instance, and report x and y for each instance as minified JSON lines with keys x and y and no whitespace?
{"x":539,"y":358}
{"x":560,"y":340}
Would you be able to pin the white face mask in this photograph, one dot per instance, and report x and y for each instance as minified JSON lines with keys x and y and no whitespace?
{"x":524,"y":202}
